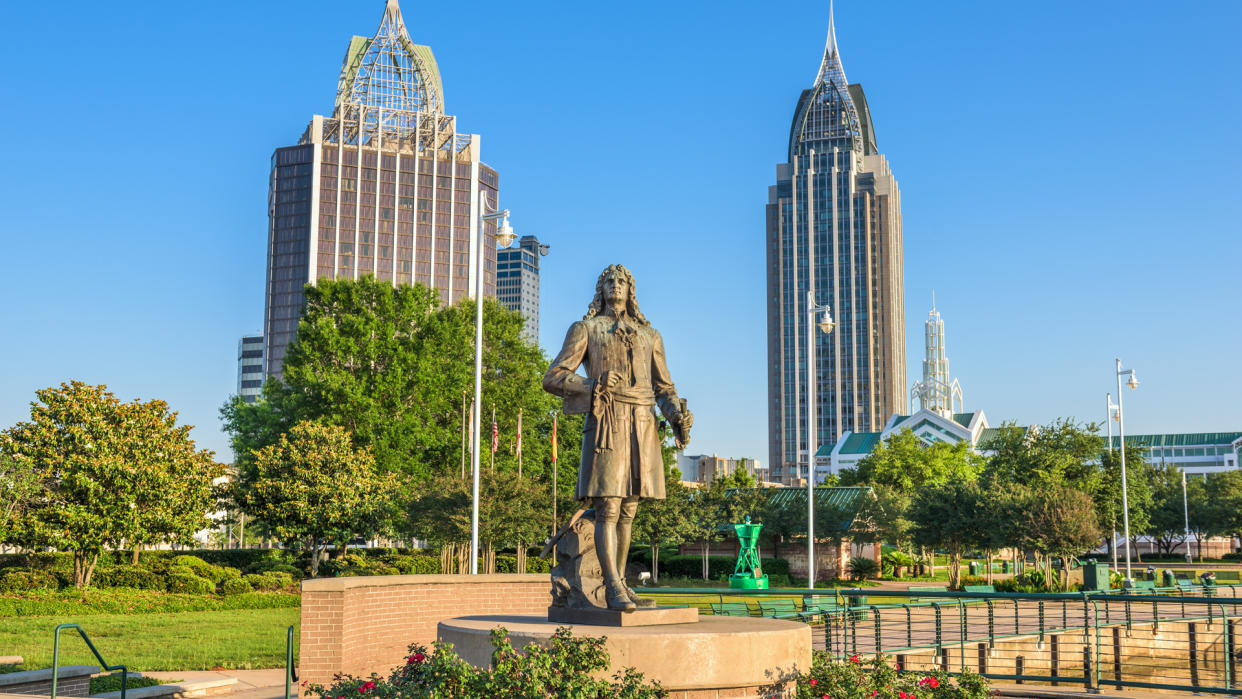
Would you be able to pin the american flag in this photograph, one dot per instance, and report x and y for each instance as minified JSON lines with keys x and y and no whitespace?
{"x":495,"y":435}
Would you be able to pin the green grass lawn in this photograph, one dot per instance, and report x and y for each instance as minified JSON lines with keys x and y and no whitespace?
{"x":233,"y":639}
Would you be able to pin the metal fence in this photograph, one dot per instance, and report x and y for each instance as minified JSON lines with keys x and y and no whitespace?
{"x":1183,"y":638}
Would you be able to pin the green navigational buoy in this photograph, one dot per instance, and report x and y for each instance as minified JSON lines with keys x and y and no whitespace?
{"x":748,"y":575}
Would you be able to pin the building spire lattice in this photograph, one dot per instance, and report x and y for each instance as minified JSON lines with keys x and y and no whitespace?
{"x":937,"y":392}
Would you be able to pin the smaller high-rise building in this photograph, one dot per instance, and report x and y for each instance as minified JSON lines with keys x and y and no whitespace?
{"x":250,"y":367}
{"x":936,"y":392}
{"x":517,"y":281}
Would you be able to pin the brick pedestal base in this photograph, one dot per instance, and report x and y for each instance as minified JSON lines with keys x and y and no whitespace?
{"x":363,"y":625}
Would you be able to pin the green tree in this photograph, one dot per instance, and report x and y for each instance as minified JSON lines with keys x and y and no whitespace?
{"x":1060,"y":522}
{"x":107,"y":472}
{"x":1107,"y":491}
{"x":19,"y":485}
{"x":314,"y":486}
{"x":1166,"y":523}
{"x":1063,"y":451}
{"x":391,"y":366}
{"x":664,"y":522}
{"x":1224,"y":491}
{"x":905,"y":464}
{"x":782,"y":517}
{"x":945,"y":516}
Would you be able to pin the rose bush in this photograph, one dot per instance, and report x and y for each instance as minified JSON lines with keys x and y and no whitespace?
{"x":564,"y":669}
{"x":831,"y":678}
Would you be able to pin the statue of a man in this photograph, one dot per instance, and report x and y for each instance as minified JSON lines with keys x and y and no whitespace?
{"x":626,"y":378}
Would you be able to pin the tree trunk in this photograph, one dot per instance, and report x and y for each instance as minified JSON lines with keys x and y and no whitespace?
{"x":84,"y":567}
{"x":341,"y":548}
{"x":955,"y":568}
{"x":133,"y":558}
{"x":655,"y":563}
{"x":314,"y":562}
{"x":705,"y":570}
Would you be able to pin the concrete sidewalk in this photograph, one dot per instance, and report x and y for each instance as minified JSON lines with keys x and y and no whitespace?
{"x":251,"y":684}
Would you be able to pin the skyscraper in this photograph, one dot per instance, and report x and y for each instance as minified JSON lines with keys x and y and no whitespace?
{"x":250,"y":367}
{"x":834,"y":230}
{"x":517,"y":281}
{"x":386,"y":186}
{"x":936,"y":392}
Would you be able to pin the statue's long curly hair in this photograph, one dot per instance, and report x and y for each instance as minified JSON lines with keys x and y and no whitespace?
{"x":631,"y":303}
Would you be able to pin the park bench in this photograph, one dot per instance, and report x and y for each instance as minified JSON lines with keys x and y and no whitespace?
{"x":926,"y":588}
{"x":979,"y":588}
{"x":1142,"y":587}
{"x":730,"y":609}
{"x":778,"y":608}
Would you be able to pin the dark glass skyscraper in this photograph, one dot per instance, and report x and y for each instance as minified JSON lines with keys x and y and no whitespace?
{"x":386,"y":186}
{"x":833,"y":230}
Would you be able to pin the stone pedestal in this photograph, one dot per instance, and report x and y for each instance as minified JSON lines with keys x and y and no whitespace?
{"x":717,"y":656}
{"x":568,"y":616}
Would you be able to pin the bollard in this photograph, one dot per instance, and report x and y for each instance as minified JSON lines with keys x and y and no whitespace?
{"x":1116,"y":654}
{"x":1194,"y":656}
{"x":1086,"y":667}
{"x":983,"y":658}
{"x":1019,"y":664}
{"x":1054,"y":658}
{"x":1231,"y":654}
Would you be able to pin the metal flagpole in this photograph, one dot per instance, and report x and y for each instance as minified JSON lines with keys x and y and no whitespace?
{"x":553,"y":472}
{"x":463,"y":435}
{"x":1108,"y":422}
{"x":519,"y":444}
{"x":1186,"y":510}
{"x":491,"y":468}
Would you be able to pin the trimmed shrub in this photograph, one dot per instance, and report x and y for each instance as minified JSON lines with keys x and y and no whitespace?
{"x":775,"y":566}
{"x":418,"y":565}
{"x":535,"y":564}
{"x":862,"y":568}
{"x":25,"y":580}
{"x":135,"y":577}
{"x":235,"y":586}
{"x":188,"y":583}
{"x":691,"y":566}
{"x":268,"y":582}
{"x":192,"y":562}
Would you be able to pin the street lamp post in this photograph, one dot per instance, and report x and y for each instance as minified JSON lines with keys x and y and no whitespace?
{"x":825,"y":324}
{"x":1186,"y":511}
{"x":1108,"y":422}
{"x":504,"y":236}
{"x":1121,"y":439}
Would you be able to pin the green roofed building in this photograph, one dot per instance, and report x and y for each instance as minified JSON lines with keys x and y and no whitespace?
{"x":1193,"y":452}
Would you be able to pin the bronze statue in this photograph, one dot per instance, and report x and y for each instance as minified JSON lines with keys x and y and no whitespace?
{"x":626,"y":378}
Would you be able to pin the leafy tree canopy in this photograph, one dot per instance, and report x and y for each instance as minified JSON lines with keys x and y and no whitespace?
{"x":106,"y":473}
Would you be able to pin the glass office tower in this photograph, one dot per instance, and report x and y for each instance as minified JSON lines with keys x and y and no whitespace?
{"x":386,"y":187}
{"x":833,"y":229}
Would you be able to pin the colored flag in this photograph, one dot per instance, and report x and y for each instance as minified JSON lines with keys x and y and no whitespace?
{"x":553,"y":437}
{"x":519,"y":434}
{"x":495,"y":435}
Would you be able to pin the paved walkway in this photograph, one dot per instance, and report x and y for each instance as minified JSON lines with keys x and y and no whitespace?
{"x":251,"y":684}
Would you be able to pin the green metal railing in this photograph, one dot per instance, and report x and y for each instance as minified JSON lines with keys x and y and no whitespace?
{"x":1181,"y":638}
{"x":291,"y":672}
{"x":87,"y":639}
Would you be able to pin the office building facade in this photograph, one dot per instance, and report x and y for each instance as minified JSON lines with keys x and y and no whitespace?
{"x":386,"y":187}
{"x":833,"y":235}
{"x":250,"y":367}
{"x":517,"y":281}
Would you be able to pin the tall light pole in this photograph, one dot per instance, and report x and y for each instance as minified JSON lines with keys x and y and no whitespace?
{"x":825,"y":324}
{"x":503,"y":236}
{"x":1186,"y":510}
{"x":1108,"y":421}
{"x":1121,"y":439}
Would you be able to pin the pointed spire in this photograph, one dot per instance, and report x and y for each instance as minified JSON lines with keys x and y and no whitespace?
{"x":933,"y":310}
{"x":831,"y":67}
{"x":392,"y":13}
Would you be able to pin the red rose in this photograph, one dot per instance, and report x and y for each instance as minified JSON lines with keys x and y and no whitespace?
{"x":813,"y":682}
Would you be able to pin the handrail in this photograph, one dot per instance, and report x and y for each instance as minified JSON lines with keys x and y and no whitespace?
{"x":291,"y":673}
{"x":106,"y":666}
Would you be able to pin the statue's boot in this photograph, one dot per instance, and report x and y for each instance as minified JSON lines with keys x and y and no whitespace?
{"x":623,"y":556}
{"x":614,"y":585}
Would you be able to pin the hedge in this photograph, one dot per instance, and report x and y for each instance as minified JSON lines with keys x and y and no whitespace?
{"x":183,"y":581}
{"x":76,"y":603}
{"x":236,"y":586}
{"x":136,"y":577}
{"x":246,"y":560}
{"x":691,"y":566}
{"x":26,"y":580}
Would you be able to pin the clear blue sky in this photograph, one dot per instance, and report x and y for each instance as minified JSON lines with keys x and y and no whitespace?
{"x":1069,"y":173}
